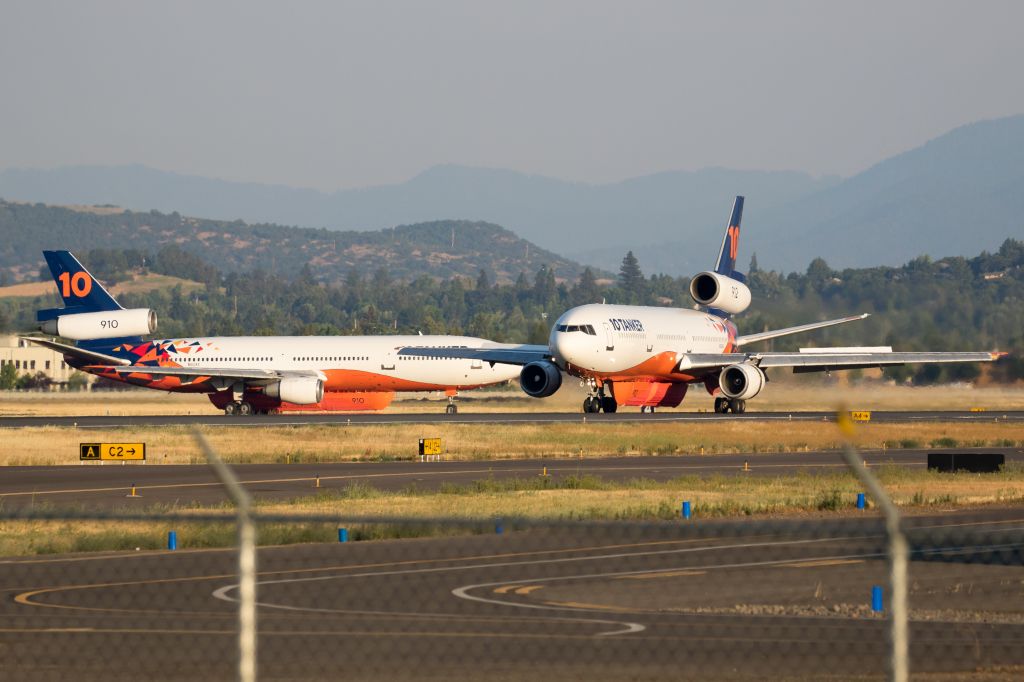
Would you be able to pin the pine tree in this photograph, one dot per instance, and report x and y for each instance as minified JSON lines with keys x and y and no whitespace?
{"x":631,"y":279}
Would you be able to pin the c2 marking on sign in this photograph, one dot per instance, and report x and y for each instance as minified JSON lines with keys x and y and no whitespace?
{"x":112,"y":451}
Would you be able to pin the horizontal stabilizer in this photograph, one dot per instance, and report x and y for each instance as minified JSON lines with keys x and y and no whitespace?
{"x":76,"y":352}
{"x":764,"y":336}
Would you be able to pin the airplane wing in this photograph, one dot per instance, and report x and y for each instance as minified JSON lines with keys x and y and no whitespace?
{"x":75,"y":351}
{"x":226,"y":373}
{"x":503,"y":353}
{"x":763,"y":336}
{"x":830,"y":359}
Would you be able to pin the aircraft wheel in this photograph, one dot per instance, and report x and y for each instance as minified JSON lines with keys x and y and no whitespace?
{"x":244,"y":409}
{"x":591,"y":405}
{"x":738,"y":406}
{"x":609,"y":405}
{"x":452,"y":409}
{"x":231,"y":409}
{"x":721,"y":405}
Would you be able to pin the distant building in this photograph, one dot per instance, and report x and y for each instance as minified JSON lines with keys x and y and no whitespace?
{"x":28,"y":358}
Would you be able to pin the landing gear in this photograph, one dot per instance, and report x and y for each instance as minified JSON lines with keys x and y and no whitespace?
{"x":238,"y":408}
{"x":597,"y":401}
{"x":734,"y":405}
{"x":452,"y":408}
{"x":647,"y":408}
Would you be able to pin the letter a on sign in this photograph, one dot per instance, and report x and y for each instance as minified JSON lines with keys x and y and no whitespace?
{"x":89,"y":450}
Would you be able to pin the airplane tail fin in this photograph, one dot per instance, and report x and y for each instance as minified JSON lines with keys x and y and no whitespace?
{"x":726,"y":264}
{"x":80,"y":291}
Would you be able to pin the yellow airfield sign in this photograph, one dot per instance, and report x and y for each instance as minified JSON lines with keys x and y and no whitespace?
{"x":861,"y":416}
{"x":112,"y":451}
{"x":430,"y":446}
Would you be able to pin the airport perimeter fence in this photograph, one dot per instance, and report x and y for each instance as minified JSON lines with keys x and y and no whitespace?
{"x":183,"y":596}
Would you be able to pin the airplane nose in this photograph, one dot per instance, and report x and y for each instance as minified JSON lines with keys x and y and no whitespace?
{"x":562,"y":346}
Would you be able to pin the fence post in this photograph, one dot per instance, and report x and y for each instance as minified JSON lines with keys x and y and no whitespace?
{"x":897,"y":555}
{"x":246,"y":562}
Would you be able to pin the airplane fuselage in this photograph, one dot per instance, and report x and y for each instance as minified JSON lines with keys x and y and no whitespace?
{"x":346,"y":364}
{"x":635,"y":342}
{"x":636,"y":350}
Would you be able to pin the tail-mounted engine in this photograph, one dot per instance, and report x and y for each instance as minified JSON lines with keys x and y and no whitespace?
{"x":540,"y":379}
{"x":721,"y":292}
{"x":107,"y":324}
{"x":741,"y":382}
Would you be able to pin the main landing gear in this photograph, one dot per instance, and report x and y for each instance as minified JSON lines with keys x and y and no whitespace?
{"x":239,"y":408}
{"x":734,"y":405}
{"x":597,"y":401}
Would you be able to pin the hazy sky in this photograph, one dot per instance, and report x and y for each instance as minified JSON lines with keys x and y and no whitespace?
{"x":344,"y":94}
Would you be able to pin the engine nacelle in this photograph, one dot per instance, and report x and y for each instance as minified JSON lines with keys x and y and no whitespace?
{"x":741,"y":382}
{"x":718,"y":291}
{"x":297,"y":390}
{"x":540,"y":379}
{"x":110,"y":324}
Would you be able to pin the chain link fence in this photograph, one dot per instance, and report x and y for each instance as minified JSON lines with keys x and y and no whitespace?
{"x":384,"y":598}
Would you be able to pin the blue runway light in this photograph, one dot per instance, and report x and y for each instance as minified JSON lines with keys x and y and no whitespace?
{"x":498,"y":527}
{"x":343,"y":535}
{"x":687,"y":512}
{"x":876,"y":599}
{"x":172,"y":539}
{"x":860,"y":501}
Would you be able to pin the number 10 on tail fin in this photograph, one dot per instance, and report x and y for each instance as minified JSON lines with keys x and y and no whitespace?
{"x":731,"y":242}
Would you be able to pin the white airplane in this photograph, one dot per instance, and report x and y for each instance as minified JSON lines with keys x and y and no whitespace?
{"x":648,"y":356}
{"x":249,"y":374}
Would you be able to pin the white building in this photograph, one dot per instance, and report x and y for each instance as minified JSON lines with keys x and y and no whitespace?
{"x":29,"y":358}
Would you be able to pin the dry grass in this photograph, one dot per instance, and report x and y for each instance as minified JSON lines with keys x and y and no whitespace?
{"x":583,"y":498}
{"x":799,"y":394}
{"x":330,"y":443}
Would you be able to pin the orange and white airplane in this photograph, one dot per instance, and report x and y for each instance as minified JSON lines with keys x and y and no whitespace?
{"x":249,"y":374}
{"x":648,"y":356}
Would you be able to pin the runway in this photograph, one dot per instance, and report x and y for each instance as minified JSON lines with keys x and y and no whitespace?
{"x":105,"y":486}
{"x":466,"y":417}
{"x":596,"y":604}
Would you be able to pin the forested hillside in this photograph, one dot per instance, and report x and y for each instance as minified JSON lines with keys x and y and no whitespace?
{"x":439,"y":249}
{"x":951,"y":304}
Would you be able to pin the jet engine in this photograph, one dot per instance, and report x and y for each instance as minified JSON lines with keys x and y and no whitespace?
{"x":111,"y":324}
{"x":741,"y":382}
{"x":540,"y":379}
{"x":721,"y":292}
{"x":297,"y":390}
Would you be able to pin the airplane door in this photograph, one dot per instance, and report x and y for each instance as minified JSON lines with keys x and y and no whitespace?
{"x":609,"y":337}
{"x":388,"y":362}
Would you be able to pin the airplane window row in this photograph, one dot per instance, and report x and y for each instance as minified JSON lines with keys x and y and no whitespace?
{"x":420,"y":357}
{"x":215,"y":359}
{"x":331,"y":358}
{"x":585,"y":328}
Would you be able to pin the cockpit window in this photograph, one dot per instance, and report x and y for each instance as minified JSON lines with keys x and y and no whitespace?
{"x":585,"y":328}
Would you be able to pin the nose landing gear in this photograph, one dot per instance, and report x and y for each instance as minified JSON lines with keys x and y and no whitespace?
{"x":452,"y":408}
{"x":597,"y":401}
